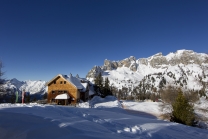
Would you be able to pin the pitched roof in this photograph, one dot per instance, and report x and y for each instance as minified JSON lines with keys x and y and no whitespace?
{"x":84,"y":86}
{"x":73,"y":80}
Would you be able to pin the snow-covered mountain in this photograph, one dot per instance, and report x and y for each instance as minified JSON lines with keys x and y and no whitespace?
{"x":184,"y":68}
{"x":33,"y":87}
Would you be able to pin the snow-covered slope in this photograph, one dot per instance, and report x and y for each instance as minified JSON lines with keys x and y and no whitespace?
{"x":51,"y":121}
{"x":32,"y":87}
{"x":184,"y":68}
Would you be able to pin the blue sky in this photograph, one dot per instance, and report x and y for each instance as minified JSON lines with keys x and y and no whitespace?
{"x":42,"y":38}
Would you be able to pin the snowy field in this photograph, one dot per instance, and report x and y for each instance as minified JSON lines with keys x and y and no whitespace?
{"x":98,"y":119}
{"x":148,"y":107}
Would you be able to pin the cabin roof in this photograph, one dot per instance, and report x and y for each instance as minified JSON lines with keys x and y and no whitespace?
{"x":82,"y":79}
{"x":73,"y":80}
{"x":76,"y":82}
{"x":84,"y":86}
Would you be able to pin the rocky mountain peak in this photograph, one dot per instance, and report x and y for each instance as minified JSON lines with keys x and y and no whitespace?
{"x":94,"y":72}
{"x":157,"y":61}
{"x":111,"y":65}
{"x":179,"y":57}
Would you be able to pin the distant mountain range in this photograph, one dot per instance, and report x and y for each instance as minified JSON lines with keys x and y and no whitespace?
{"x":33,"y":87}
{"x":184,"y":68}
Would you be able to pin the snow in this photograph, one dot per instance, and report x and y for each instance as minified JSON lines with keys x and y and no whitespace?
{"x":91,"y":90}
{"x":76,"y":82}
{"x":28,"y":85}
{"x":201,"y":109}
{"x":84,"y":86}
{"x":62,"y":96}
{"x":170,"y":56}
{"x":123,"y":76}
{"x":183,"y":73}
{"x":108,"y":101}
{"x":98,"y":102}
{"x":148,"y":107}
{"x":105,"y":119}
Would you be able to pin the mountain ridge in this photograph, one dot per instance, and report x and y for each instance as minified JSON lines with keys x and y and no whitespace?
{"x":31,"y":86}
{"x":190,"y":70}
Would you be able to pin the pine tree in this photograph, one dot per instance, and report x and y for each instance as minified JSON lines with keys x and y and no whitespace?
{"x":106,"y":88}
{"x":34,"y":99}
{"x":12,"y":99}
{"x":182,"y":112}
{"x":98,"y":87}
{"x":107,"y":82}
{"x":119,"y":94}
{"x":102,"y":88}
{"x":45,"y":95}
{"x":27,"y":98}
{"x":99,"y":80}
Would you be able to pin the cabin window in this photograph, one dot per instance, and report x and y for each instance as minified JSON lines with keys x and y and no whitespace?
{"x":53,"y":92}
{"x":60,"y":92}
{"x":54,"y":82}
{"x":53,"y":100}
{"x":64,"y":82}
{"x":65,"y":91}
{"x":60,"y":82}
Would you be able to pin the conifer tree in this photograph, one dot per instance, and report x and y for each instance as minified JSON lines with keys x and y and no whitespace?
{"x":45,"y":95}
{"x":27,"y":98}
{"x":98,"y":84}
{"x":99,"y":80}
{"x":12,"y":98}
{"x":34,"y":99}
{"x":119,"y":94}
{"x":106,"y":88}
{"x":183,"y":112}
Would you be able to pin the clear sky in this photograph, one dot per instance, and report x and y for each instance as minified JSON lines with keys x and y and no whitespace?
{"x":42,"y":38}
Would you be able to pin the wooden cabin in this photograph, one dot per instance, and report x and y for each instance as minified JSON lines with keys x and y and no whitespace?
{"x":74,"y":89}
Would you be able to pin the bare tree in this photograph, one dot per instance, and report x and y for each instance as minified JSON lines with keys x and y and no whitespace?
{"x":2,"y":80}
{"x":169,"y":94}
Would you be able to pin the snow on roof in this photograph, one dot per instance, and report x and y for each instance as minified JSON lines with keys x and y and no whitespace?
{"x":62,"y":96}
{"x":84,"y":86}
{"x":76,"y":82}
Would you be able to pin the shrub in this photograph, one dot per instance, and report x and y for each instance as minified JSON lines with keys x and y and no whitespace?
{"x":183,"y":112}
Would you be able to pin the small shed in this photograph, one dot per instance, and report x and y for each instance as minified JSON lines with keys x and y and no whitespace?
{"x":62,"y":98}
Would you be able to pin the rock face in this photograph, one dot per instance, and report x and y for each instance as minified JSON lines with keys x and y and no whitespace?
{"x":133,"y":78}
{"x":156,"y":61}
{"x":111,"y":65}
{"x":94,"y":72}
{"x":108,"y":65}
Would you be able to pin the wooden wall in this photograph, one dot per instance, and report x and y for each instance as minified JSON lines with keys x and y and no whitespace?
{"x":68,"y":87}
